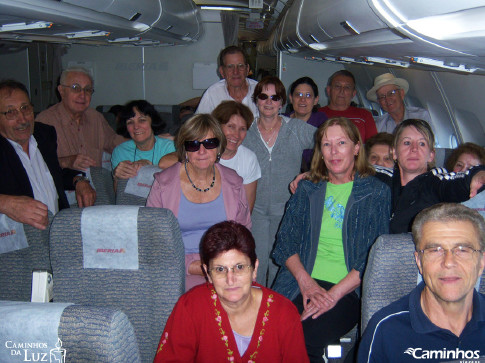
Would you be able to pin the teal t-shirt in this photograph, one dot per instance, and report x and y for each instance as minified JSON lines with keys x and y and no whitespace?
{"x":330,"y":261}
{"x":128,"y":151}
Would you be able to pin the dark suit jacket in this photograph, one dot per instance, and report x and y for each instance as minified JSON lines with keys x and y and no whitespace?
{"x":13,"y":177}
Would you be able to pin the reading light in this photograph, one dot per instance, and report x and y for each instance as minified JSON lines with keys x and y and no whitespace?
{"x":25,"y":26}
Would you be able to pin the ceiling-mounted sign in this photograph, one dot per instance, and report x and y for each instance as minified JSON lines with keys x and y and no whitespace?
{"x":254,"y":24}
{"x":255,"y":4}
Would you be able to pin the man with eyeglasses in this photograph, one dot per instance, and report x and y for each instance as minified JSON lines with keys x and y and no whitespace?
{"x":389,"y":92}
{"x":235,"y":85}
{"x":340,"y":91}
{"x":82,"y":132}
{"x":32,"y":181}
{"x":443,"y":318}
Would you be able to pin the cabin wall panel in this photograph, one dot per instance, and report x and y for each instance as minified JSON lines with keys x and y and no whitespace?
{"x":15,"y":66}
{"x":162,"y":75}
{"x":293,"y":67}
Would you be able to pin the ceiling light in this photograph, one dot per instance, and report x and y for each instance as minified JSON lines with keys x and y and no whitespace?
{"x":25,"y":26}
{"x":223,"y":8}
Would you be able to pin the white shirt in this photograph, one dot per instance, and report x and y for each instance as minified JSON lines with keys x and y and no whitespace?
{"x":245,"y":163}
{"x":386,"y":123}
{"x":218,"y":92}
{"x":39,"y":175}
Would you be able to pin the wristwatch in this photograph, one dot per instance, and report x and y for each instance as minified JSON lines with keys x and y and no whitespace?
{"x":80,"y":178}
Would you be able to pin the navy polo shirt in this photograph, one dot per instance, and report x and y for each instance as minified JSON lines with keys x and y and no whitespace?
{"x":401,"y":332}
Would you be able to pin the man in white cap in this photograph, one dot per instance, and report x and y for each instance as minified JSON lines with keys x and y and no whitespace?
{"x":389,"y":92}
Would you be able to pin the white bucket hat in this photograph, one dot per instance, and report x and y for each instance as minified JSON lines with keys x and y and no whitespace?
{"x":384,"y":80}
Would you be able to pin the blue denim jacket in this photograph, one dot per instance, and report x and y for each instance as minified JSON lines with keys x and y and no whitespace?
{"x":366,"y":218}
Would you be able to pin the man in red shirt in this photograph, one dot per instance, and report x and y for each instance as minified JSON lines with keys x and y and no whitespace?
{"x":340,"y":91}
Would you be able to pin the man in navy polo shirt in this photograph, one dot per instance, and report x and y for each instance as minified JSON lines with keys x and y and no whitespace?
{"x":443,"y":318}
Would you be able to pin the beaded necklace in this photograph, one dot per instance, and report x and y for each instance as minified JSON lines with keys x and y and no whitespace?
{"x":199,"y":189}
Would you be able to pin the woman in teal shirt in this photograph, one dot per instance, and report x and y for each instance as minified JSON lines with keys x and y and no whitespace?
{"x":328,"y":228}
{"x":141,"y":122}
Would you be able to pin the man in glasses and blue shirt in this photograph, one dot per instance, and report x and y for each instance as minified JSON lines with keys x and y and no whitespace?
{"x":82,"y":132}
{"x":389,"y":91}
{"x":443,"y":318}
{"x":235,"y":85}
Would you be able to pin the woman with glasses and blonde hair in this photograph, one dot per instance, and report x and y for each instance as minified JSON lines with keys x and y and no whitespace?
{"x":232,"y":318}
{"x":329,"y":225}
{"x":198,"y":190}
{"x":278,"y":142}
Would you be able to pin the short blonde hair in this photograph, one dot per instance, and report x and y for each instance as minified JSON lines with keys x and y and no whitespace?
{"x":318,"y":169}
{"x":195,"y":128}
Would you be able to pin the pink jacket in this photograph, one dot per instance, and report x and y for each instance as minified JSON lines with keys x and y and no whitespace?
{"x":165,"y":193}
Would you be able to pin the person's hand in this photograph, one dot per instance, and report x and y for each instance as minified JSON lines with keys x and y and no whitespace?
{"x":294,"y":183}
{"x":477,"y":182}
{"x":141,"y":163}
{"x":25,"y":210}
{"x":328,"y":302}
{"x":85,"y":194}
{"x":316,"y":300}
{"x":126,"y":170}
{"x":77,"y":162}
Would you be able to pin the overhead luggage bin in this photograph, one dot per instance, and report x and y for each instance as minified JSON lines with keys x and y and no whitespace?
{"x":423,"y":34}
{"x":101,"y":22}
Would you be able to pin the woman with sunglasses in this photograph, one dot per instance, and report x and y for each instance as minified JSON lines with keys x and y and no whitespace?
{"x":304,"y":100}
{"x":198,"y":190}
{"x":278,"y":142}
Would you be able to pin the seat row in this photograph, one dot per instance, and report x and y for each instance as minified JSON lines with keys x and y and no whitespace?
{"x":121,"y":267}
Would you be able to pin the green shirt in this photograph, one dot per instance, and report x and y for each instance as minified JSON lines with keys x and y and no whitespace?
{"x":330,"y":261}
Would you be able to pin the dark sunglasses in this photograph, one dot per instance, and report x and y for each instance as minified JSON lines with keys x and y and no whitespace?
{"x":192,"y":146}
{"x":264,"y":96}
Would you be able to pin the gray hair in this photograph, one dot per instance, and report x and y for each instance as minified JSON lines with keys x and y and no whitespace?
{"x":449,"y":212}
{"x":65,"y":72}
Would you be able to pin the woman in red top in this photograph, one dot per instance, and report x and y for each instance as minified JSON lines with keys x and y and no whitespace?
{"x":231,"y":318}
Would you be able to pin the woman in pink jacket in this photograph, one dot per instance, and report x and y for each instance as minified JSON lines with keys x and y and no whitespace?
{"x":198,"y":190}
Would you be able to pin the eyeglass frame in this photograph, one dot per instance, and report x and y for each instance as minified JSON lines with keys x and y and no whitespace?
{"x":76,"y":88}
{"x":194,"y":145}
{"x":264,"y":97}
{"x":225,"y":271}
{"x":239,"y":66}
{"x":306,"y":95}
{"x":29,"y":110}
{"x":389,"y":94}
{"x":442,"y":252}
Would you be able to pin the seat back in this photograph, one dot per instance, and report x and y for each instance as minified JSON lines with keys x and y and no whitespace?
{"x":80,"y":333}
{"x":16,"y":266}
{"x":146,"y":294}
{"x":123,"y":198}
{"x":390,"y":274}
{"x":103,"y":183}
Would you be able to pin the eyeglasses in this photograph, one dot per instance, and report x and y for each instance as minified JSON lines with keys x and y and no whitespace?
{"x":237,"y":270}
{"x":388,"y":94}
{"x":192,"y":146}
{"x":239,"y":67}
{"x":264,"y":96}
{"x":464,"y":253}
{"x":76,"y":88}
{"x":13,"y":113}
{"x":303,"y":95}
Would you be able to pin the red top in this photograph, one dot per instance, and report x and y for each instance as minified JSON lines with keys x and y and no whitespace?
{"x":360,"y":117}
{"x":198,"y":330}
